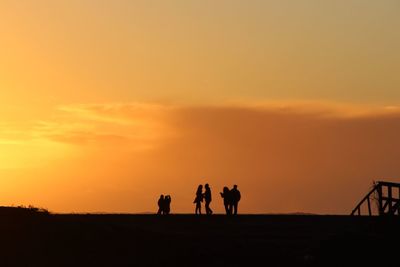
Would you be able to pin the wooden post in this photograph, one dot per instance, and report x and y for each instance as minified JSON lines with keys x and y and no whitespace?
{"x":398,"y":210}
{"x":369,"y":206}
{"x":390,"y":199}
{"x":379,"y":189}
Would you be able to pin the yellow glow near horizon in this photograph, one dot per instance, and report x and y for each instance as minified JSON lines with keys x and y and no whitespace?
{"x":24,"y":154}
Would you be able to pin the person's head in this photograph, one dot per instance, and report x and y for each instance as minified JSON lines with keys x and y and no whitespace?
{"x":235,"y":186}
{"x":225,"y":189}
{"x":162,"y":196}
{"x":207,"y":186}
{"x":199,"y":189}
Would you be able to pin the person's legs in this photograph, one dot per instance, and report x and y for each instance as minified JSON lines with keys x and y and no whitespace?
{"x":235,"y":208}
{"x":198,"y":208}
{"x":230,"y":209}
{"x":208,"y":210}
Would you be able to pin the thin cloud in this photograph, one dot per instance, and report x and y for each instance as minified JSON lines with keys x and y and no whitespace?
{"x":322,"y":109}
{"x":117,"y":113}
{"x":81,"y":124}
{"x":133,"y":124}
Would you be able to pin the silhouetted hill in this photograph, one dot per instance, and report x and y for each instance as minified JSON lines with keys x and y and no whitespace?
{"x":36,"y":239}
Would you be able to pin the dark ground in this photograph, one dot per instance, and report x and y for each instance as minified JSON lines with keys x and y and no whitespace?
{"x":33,"y":239}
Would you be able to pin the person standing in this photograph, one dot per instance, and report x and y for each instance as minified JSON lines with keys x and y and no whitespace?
{"x":198,"y":199}
{"x":167,"y":204}
{"x":235,"y":193}
{"x":207,"y":198}
{"x":161,"y":205}
{"x":226,"y":195}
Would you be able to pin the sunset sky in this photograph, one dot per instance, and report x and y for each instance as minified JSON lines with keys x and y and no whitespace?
{"x":104,"y":105}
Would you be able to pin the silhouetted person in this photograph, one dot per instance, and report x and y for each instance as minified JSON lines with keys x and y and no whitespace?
{"x":207,"y":198}
{"x":167,"y":204}
{"x":198,"y":199}
{"x":161,"y":205}
{"x":226,"y":195}
{"x":235,"y":194}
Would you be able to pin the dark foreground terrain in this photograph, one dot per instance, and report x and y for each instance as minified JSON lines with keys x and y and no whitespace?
{"x":33,"y":239}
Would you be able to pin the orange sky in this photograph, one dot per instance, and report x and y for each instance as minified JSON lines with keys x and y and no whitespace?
{"x":308,"y":157}
{"x":106,"y":104}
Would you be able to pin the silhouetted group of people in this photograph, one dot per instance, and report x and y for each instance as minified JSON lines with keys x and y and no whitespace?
{"x":231,"y":199}
{"x":200,"y":196}
{"x":164,"y":205}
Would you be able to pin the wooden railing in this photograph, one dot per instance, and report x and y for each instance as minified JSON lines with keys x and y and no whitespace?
{"x":387,"y":204}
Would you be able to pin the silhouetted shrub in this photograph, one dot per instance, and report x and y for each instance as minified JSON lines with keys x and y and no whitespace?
{"x":34,"y":209}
